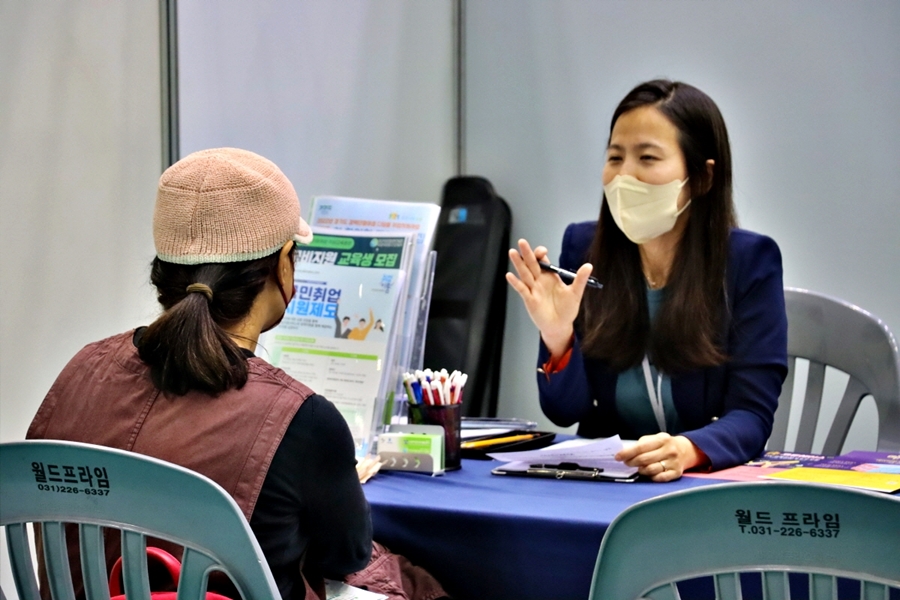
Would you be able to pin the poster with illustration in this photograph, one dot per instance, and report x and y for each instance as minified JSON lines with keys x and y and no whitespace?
{"x":337,"y":334}
{"x":390,"y":217}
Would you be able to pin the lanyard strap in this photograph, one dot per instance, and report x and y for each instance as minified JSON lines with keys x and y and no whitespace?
{"x":655,"y":395}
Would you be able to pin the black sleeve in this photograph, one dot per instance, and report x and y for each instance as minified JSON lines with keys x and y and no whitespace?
{"x":312,"y":501}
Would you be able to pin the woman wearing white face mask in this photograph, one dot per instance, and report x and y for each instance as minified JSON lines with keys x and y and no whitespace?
{"x":685,"y":346}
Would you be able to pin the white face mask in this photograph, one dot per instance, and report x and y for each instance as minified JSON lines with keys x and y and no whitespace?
{"x":643,"y":211}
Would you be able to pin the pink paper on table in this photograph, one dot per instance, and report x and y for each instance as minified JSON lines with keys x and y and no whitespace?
{"x":739,"y":473}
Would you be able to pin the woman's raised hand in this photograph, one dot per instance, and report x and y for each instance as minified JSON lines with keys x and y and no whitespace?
{"x":551,"y":303}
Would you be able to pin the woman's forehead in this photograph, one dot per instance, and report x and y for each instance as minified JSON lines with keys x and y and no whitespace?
{"x":644,"y":126}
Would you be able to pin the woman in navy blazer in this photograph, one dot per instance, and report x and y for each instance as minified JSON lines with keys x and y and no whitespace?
{"x":685,"y":346}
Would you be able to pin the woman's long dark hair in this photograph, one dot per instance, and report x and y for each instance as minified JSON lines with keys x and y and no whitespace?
{"x":686,"y":333}
{"x":186,"y":347}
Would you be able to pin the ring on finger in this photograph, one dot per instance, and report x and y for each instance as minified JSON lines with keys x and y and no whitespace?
{"x":663,"y":465}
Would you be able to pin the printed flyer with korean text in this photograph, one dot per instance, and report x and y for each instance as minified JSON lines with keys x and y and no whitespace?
{"x":390,"y":217}
{"x":337,"y":333}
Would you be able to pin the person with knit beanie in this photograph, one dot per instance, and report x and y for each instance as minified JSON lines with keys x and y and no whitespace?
{"x":189,"y":389}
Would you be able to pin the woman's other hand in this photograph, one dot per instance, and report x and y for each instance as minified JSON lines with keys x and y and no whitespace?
{"x":661,"y":456}
{"x":551,"y":303}
{"x":366,"y":467}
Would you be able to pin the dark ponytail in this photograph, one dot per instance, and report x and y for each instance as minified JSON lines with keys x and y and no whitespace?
{"x":186,"y":347}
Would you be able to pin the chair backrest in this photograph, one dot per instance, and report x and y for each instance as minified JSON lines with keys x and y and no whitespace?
{"x":51,"y":483}
{"x":770,"y":528}
{"x":830,"y":332}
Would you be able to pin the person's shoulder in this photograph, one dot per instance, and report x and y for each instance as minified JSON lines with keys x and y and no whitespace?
{"x":743,"y":240}
{"x":581,"y":233}
{"x":119,"y":346}
{"x":324,"y":413}
{"x":576,"y":243}
{"x":753,"y":257}
{"x":318,"y":424}
{"x":751,"y":248}
{"x":97,"y":357}
{"x":114,"y":341}
{"x":263,"y":372}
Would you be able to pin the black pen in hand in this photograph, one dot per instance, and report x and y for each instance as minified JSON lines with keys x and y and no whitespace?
{"x":569,"y":276}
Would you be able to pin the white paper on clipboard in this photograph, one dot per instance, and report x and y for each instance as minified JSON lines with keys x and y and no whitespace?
{"x":596,"y":454}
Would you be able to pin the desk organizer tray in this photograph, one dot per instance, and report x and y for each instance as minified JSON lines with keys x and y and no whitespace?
{"x":542,"y":439}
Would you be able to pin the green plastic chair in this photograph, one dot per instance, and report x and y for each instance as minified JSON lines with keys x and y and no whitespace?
{"x":768,"y":528}
{"x":832,"y":333}
{"x":51,"y":483}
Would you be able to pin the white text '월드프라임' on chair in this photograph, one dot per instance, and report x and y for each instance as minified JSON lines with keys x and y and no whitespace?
{"x":57,"y":485}
{"x":788,"y":539}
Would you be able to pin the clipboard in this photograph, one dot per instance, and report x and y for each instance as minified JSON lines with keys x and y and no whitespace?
{"x":563,"y":470}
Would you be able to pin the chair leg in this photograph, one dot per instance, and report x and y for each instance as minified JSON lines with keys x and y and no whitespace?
{"x":778,"y":438}
{"x":812,"y":402}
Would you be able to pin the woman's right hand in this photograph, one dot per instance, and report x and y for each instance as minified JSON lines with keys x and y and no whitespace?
{"x":551,"y":303}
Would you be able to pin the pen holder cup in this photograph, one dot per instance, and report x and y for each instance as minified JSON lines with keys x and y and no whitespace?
{"x":448,"y":417}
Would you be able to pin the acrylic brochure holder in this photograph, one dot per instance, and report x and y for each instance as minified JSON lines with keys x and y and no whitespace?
{"x":340,"y":332}
{"x":399,"y":410}
{"x":387,"y":217}
{"x":363,"y":286}
{"x":418,"y":348}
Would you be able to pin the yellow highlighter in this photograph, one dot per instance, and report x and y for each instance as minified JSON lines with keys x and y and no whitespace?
{"x":496,"y":441}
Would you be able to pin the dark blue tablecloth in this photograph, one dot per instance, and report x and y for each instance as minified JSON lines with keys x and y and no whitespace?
{"x":487,"y":537}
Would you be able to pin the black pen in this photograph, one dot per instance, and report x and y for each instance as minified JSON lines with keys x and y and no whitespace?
{"x":569,"y":276}
{"x":567,"y":466}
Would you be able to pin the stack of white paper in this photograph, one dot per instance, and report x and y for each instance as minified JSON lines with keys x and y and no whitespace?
{"x":595,"y":454}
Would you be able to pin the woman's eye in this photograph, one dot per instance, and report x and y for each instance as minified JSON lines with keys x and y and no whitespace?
{"x":613,"y":158}
{"x":648,"y":157}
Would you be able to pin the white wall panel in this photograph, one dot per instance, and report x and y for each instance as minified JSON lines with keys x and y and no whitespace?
{"x":810,"y":91}
{"x":79,"y":160}
{"x":348,"y":98}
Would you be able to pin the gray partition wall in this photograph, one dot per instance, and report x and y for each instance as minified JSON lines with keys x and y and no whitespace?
{"x":348,"y":98}
{"x":80,"y":154}
{"x":810,"y":91}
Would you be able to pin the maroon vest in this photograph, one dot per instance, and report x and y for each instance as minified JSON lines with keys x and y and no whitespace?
{"x":105,"y":396}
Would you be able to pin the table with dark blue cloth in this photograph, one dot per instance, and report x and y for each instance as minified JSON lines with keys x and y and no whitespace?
{"x":490,"y":537}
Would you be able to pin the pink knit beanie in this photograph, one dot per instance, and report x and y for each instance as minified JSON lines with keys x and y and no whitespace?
{"x":225,"y":205}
